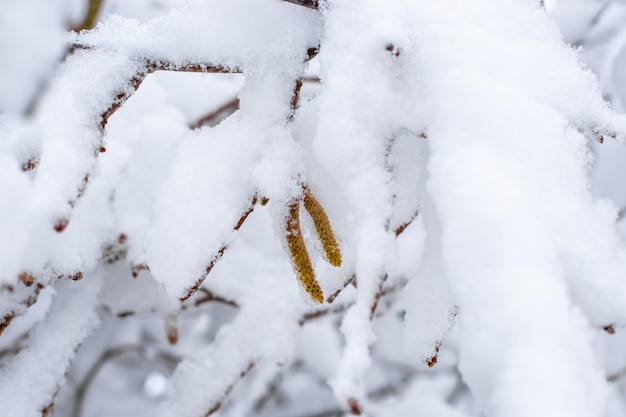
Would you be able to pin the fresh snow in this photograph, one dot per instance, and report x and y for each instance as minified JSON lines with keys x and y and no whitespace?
{"x":454,"y":146}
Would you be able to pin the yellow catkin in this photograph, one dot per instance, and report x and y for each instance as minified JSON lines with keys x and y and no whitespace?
{"x":323,"y":228}
{"x":299,"y":254}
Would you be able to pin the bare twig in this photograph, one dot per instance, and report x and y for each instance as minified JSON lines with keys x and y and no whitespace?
{"x":379,"y":293}
{"x":617,"y":376}
{"x":209,"y":296}
{"x":311,"y":4}
{"x":229,"y":389}
{"x":219,"y":254}
{"x":338,"y":309}
{"x":351,"y":280}
{"x":295,"y":99}
{"x":217,"y":115}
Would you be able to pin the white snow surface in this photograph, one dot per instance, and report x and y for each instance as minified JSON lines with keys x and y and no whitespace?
{"x":475,"y":114}
{"x":525,"y":248}
{"x":30,"y":381}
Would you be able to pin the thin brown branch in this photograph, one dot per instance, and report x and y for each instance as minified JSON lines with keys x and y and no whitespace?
{"x":323,"y":312}
{"x":338,"y":309}
{"x":295,"y":99}
{"x":124,"y":94}
{"x":314,"y":79}
{"x":151,"y":66}
{"x":273,"y":392}
{"x":219,"y":254}
{"x":377,"y":296}
{"x":400,"y":229}
{"x":311,"y":4}
{"x":217,"y":115}
{"x":208,"y":297}
{"x":617,"y":376}
{"x":351,"y":280}
{"x":229,"y":389}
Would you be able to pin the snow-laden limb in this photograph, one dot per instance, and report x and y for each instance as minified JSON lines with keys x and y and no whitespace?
{"x":251,"y":35}
{"x":67,"y":128}
{"x":353,"y":135}
{"x":16,"y":298}
{"x":262,"y":332}
{"x":430,"y":308}
{"x":29,"y":382}
{"x":205,"y":200}
{"x":529,"y":256}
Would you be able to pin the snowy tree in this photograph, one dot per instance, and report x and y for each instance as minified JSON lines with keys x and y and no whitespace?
{"x":303,"y":208}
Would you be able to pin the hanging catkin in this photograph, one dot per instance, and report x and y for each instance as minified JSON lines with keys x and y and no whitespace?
{"x":323,"y":228}
{"x":299,"y":254}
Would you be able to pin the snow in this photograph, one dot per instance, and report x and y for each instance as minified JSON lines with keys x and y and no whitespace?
{"x":532,"y":217}
{"x":245,"y":34}
{"x":29,"y":55}
{"x":50,"y":349}
{"x":452,"y":144}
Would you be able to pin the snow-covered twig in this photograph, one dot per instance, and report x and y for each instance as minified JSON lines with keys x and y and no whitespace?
{"x":15,"y":299}
{"x":217,"y":115}
{"x":50,"y":350}
{"x":219,"y":253}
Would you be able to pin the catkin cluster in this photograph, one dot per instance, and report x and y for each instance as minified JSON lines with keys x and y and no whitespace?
{"x":297,"y":248}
